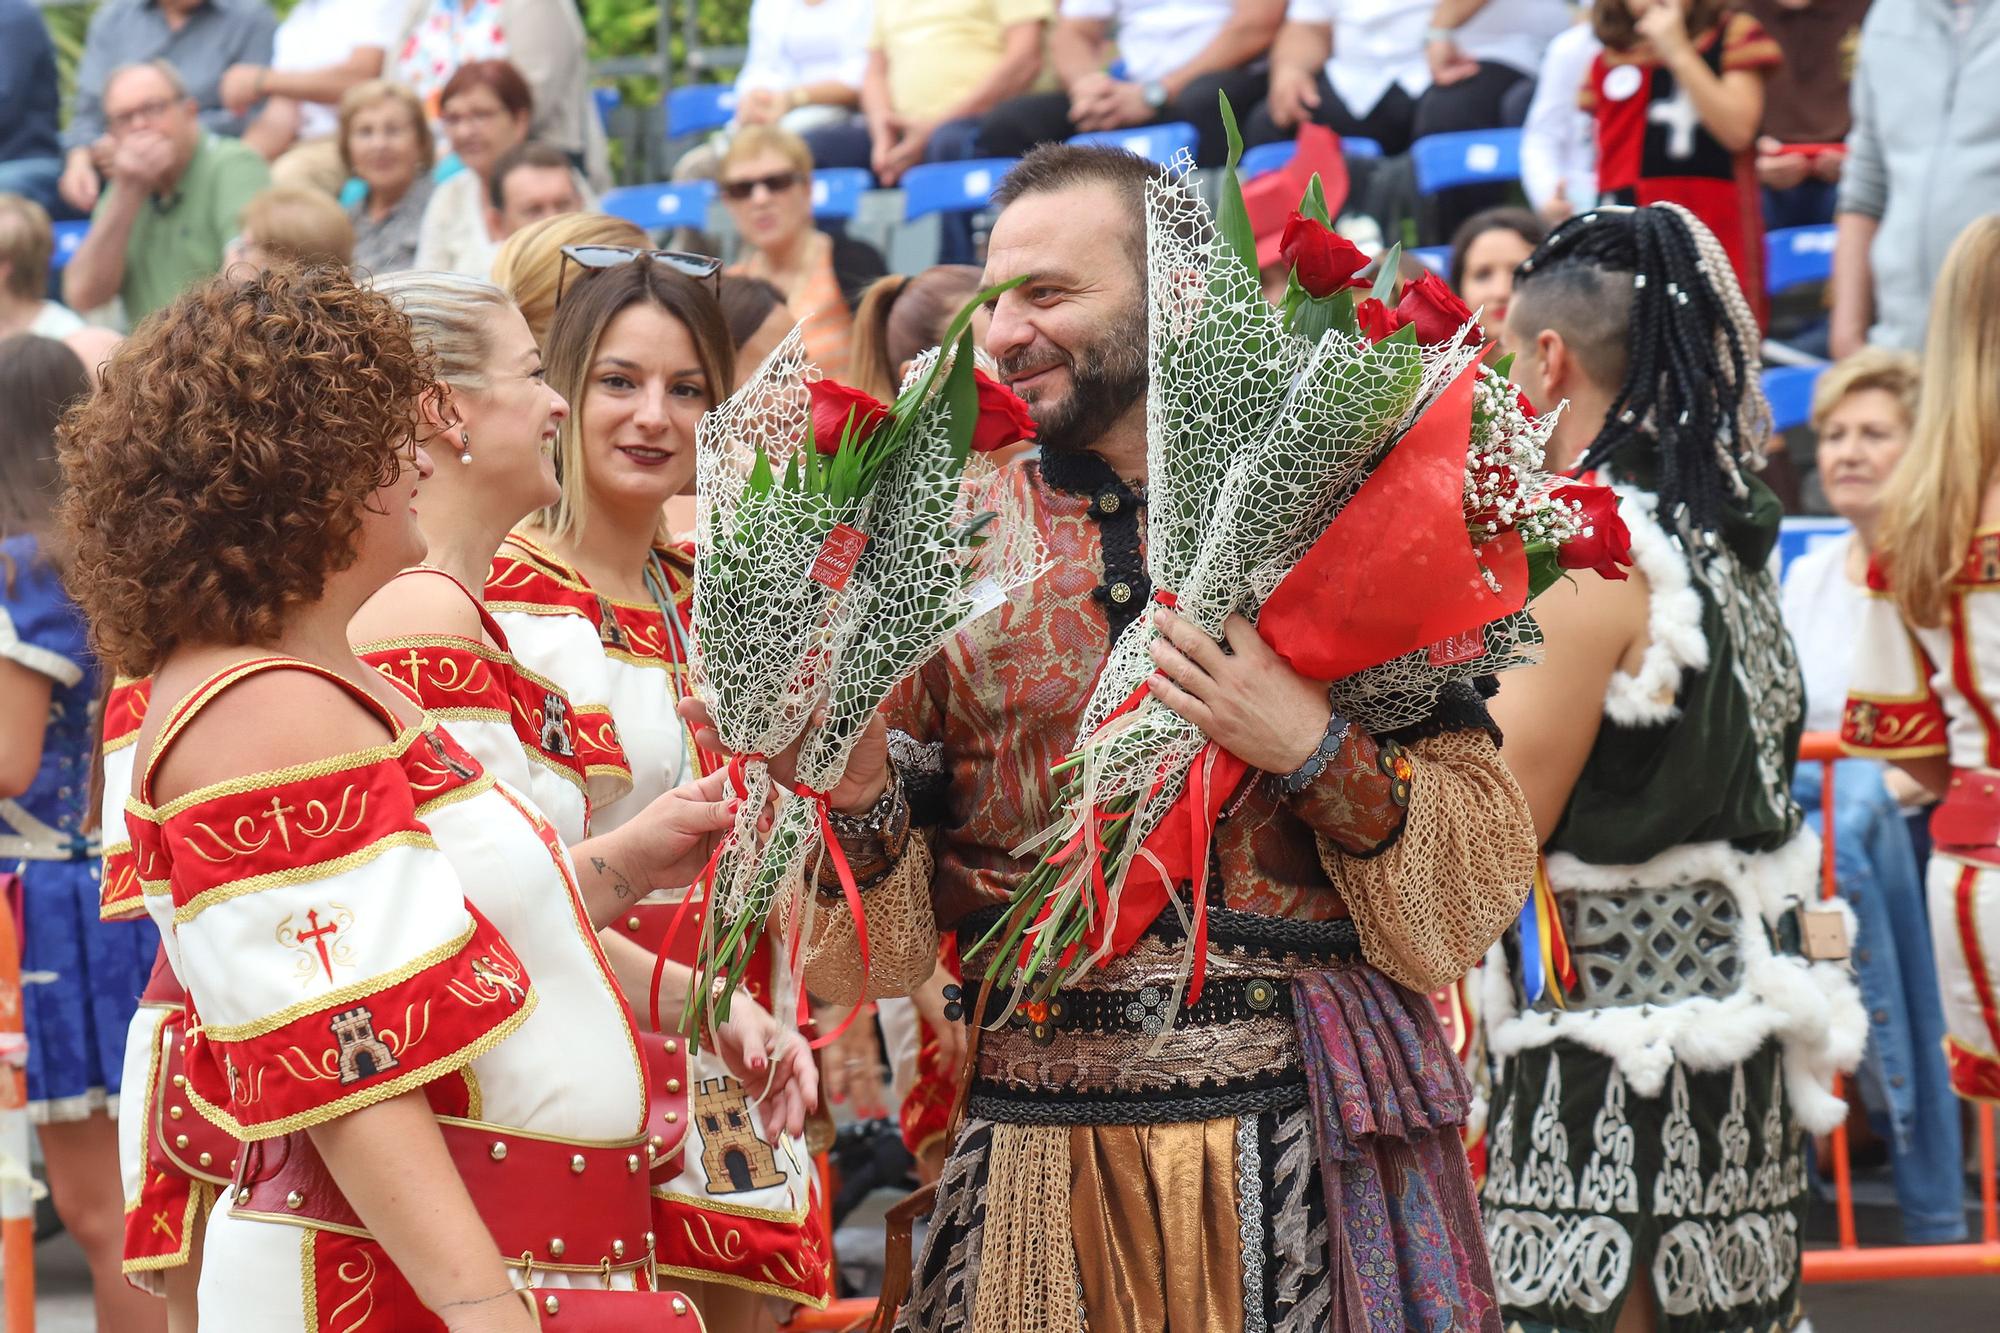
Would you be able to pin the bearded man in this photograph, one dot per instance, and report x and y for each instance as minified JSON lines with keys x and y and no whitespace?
{"x":1283,"y":1154}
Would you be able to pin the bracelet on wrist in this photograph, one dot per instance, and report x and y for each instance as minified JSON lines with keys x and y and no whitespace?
{"x":1296,"y":781}
{"x":1440,"y":35}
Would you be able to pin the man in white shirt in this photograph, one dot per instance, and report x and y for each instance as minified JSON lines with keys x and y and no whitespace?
{"x":1176,"y":55}
{"x":1398,"y":70}
{"x":1558,"y":139}
{"x":323,"y":48}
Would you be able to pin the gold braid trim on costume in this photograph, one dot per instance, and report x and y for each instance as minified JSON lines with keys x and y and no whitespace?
{"x":1430,"y":906}
{"x":1027,"y":1261}
{"x":902,"y":936}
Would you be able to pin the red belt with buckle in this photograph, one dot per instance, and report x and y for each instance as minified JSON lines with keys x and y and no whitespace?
{"x":1967,"y":821}
{"x":550,"y":1205}
{"x":187,"y":1140}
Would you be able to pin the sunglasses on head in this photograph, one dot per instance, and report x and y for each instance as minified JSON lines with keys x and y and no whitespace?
{"x":738,"y":191}
{"x":596,"y":257}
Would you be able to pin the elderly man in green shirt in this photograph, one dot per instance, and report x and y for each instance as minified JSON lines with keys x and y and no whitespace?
{"x":175,"y":194}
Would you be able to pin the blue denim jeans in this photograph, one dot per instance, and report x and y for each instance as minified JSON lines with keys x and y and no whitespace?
{"x":846,"y":144}
{"x":36,"y":178}
{"x":1904,"y":1065}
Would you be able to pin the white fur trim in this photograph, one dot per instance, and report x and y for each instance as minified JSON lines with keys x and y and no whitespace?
{"x":33,"y":656}
{"x":1813,"y":1009}
{"x":1646,"y":698}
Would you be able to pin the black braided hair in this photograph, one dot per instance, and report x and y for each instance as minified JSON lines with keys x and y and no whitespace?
{"x":1691,"y":393}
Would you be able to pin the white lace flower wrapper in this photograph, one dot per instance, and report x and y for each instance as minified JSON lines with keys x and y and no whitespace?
{"x":788,"y":659}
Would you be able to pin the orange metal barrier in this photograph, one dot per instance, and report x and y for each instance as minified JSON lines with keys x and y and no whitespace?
{"x":1853,"y":1262}
{"x":17,"y":1214}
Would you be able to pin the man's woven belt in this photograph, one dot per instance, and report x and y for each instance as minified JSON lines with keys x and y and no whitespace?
{"x":1651,"y":945}
{"x":1103,"y":1052}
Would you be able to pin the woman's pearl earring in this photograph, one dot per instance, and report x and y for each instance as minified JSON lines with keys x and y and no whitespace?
{"x":464,"y":447}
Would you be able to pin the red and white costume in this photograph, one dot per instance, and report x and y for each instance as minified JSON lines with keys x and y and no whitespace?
{"x":375,"y":923}
{"x":519,"y":725}
{"x":1923,"y":692}
{"x":169,"y":1185}
{"x":746,"y":1209}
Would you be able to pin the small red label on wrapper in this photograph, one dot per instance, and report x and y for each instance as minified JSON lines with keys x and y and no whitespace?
{"x":838,"y":556}
{"x":1467,"y":646}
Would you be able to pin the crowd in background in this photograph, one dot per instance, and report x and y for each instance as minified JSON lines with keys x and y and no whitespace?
{"x":460,"y":135}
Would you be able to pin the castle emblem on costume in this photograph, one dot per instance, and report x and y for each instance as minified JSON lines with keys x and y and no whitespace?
{"x":454,"y":765}
{"x":555,"y":725}
{"x":733,"y":1158}
{"x":608,"y":629}
{"x":320,"y":943}
{"x":362,"y":1054}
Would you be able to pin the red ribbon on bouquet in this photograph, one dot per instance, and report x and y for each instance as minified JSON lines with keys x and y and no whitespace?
{"x":850,"y":890}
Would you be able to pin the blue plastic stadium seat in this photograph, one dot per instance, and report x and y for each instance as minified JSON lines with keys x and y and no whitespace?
{"x":607,"y":102}
{"x":1266,"y":158}
{"x":667,"y":204}
{"x":1470,"y":157}
{"x":69,"y":235}
{"x":1794,"y":256}
{"x":952,"y":187}
{"x":1790,"y":389}
{"x":696,"y":107}
{"x":1436,"y":258}
{"x":837,"y":191}
{"x":1155,"y":143}
{"x":1798,"y":535}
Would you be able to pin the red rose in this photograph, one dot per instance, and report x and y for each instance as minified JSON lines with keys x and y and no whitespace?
{"x":834,"y":405}
{"x":1324,"y":261}
{"x":1527,"y":408}
{"x":1436,"y":311}
{"x":1605,"y":544}
{"x":1377,"y":321}
{"x":1003,"y":417}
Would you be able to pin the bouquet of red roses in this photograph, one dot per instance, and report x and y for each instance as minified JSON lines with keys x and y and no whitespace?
{"x":839,"y":541}
{"x":1341,"y":468}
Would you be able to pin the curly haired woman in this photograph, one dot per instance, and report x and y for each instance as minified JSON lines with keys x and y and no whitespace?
{"x":390,"y":961}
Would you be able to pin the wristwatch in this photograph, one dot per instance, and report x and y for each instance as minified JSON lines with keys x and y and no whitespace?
{"x":1155,"y":93}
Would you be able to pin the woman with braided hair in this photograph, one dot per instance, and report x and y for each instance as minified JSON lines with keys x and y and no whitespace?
{"x":1668,"y":1012}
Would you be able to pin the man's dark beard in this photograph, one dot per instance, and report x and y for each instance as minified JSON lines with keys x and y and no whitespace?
{"x":1106,"y":378}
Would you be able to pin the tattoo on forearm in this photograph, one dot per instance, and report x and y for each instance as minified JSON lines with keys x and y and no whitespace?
{"x":620,"y":885}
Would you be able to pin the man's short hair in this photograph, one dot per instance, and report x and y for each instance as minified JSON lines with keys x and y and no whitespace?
{"x":1590,"y":307}
{"x":527,"y":154}
{"x":160,"y":66}
{"x":26,"y":242}
{"x":1053,"y":167}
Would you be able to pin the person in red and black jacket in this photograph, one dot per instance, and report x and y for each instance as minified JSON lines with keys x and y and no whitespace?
{"x":1677,"y":94}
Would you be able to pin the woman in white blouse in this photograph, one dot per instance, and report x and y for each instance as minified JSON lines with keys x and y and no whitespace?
{"x":802,"y":72}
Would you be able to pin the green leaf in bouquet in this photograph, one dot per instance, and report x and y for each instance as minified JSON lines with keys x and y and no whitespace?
{"x":1386,"y":274}
{"x":1313,"y":317}
{"x":759,"y":480}
{"x":961,"y":397}
{"x":1314,"y":203}
{"x":1544,"y":569}
{"x":1234,"y":219}
{"x":1504,"y":367}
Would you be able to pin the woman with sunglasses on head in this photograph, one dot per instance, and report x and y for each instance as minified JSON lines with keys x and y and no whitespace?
{"x":766,"y":182}
{"x":591,"y":593}
{"x":398,"y":1005}
{"x":531,"y":269}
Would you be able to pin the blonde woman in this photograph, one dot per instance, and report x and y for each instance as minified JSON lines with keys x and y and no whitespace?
{"x":385,"y":140}
{"x":1922,"y":695}
{"x":766,"y":181}
{"x":1863,"y":410}
{"x":529,"y":267}
{"x":593,"y":595}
